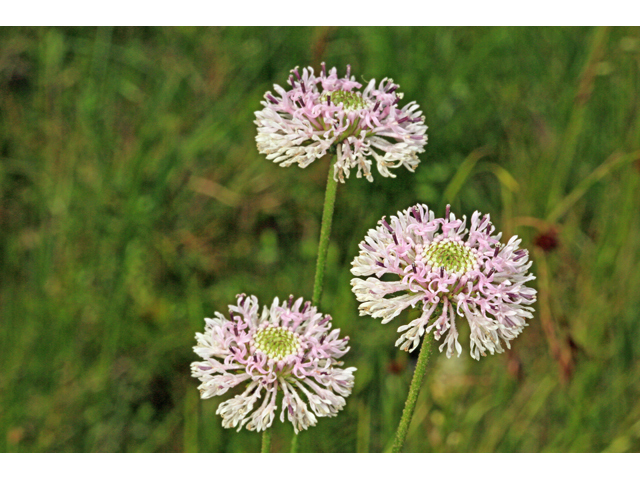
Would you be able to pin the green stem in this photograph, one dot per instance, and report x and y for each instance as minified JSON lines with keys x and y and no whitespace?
{"x":294,"y":443}
{"x":266,"y":441}
{"x":414,"y":391}
{"x":325,"y":232}
{"x":323,"y":247}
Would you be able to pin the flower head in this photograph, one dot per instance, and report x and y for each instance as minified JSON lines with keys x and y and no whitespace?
{"x":324,"y":114}
{"x":290,"y":348}
{"x":449,"y":271}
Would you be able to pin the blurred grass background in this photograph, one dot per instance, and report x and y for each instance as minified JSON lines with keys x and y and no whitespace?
{"x":134,"y":203}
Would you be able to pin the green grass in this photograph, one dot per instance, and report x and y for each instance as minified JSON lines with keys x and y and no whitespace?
{"x":135,"y":203}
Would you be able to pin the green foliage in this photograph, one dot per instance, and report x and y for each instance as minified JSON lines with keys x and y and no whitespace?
{"x":134,"y":203}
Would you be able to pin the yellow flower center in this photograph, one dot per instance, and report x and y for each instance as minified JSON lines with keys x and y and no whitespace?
{"x":276,"y":342}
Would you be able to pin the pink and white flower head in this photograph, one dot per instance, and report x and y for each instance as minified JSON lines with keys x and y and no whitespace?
{"x":289,"y":348}
{"x":448,"y":271}
{"x":327,"y":114}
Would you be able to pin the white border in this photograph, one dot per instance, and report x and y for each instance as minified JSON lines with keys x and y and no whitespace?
{"x":289,"y":12}
{"x":315,"y":467}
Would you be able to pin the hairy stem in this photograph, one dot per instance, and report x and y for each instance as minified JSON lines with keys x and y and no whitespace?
{"x":325,"y":232}
{"x":294,"y":443}
{"x":266,"y":441}
{"x":414,"y":391}
{"x":323,"y":247}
